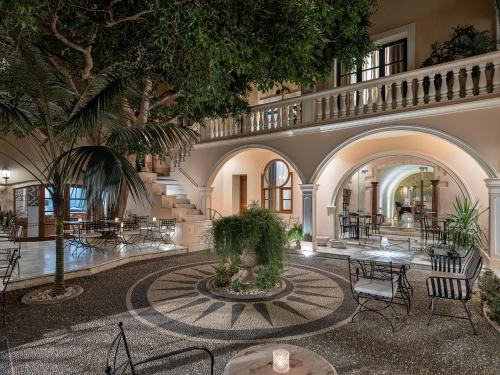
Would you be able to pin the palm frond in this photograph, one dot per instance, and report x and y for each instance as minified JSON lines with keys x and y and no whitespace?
{"x":154,"y":138}
{"x":102,"y":93}
{"x":102,"y":171}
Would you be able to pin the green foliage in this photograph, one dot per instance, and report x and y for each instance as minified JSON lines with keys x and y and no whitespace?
{"x":257,"y":229}
{"x":465,"y":41}
{"x":296,"y":233}
{"x":489,"y":285}
{"x":221,"y":278}
{"x":463,"y":227}
{"x":236,"y":286}
{"x":267,"y":277}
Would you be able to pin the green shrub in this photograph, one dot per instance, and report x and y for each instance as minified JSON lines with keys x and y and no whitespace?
{"x":489,"y":285}
{"x":221,"y":278}
{"x":267,"y":278}
{"x":236,"y":286}
{"x":296,"y":233}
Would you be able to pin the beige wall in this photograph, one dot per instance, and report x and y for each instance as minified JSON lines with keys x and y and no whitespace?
{"x":434,"y":19}
{"x":225,"y":197}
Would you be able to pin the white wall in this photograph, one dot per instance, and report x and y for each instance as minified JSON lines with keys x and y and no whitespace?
{"x":250,"y":163}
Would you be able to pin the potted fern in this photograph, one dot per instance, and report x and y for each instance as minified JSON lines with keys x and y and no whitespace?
{"x":257,"y":237}
{"x":296,"y":233}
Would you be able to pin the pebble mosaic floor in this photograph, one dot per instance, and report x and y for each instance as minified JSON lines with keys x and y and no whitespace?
{"x":164,"y":306}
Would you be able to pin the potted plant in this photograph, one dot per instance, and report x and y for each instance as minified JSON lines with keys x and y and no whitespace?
{"x":296,"y":233}
{"x":489,"y":286}
{"x":256,"y":237}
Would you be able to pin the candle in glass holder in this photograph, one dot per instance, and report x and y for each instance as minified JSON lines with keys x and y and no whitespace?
{"x":154,"y":219}
{"x":79,"y":219}
{"x":116,"y":220}
{"x":281,"y":361}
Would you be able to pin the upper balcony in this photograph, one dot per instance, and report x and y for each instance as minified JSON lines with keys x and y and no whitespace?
{"x":455,"y":82}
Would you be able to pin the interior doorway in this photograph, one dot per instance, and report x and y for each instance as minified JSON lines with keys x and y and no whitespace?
{"x":243,"y":193}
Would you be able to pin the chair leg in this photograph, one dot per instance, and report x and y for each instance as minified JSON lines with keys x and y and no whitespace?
{"x":469,"y":316}
{"x":433,"y":309}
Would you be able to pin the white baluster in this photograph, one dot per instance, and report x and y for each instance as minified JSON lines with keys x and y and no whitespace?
{"x":432,"y":89}
{"x":319,"y":109}
{"x":399,"y":94}
{"x":299,"y":113}
{"x":369,"y":102}
{"x":327,"y":107}
{"x":335,"y":107}
{"x":420,"y":91}
{"x":496,"y":77}
{"x":253,"y":121}
{"x":388,"y":96}
{"x":443,"y":93}
{"x":352,"y":97}
{"x":343,"y":104}
{"x":483,"y":89}
{"x":379,"y":98}
{"x":211,"y":132}
{"x":456,"y":83}
{"x":261,"y":121}
{"x":278,"y":117}
{"x":410,"y":95}
{"x":469,"y":83}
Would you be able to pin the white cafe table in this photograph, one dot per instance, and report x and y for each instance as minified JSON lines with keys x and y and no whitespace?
{"x":258,"y":360}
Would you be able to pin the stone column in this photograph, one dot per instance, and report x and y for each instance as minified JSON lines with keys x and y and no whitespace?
{"x":435,"y":201}
{"x":205,"y":198}
{"x":309,"y":212}
{"x":331,"y":211}
{"x":374,"y":201}
{"x":493,"y":185}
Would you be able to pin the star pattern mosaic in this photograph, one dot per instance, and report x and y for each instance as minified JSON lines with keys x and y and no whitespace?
{"x":179,"y":301}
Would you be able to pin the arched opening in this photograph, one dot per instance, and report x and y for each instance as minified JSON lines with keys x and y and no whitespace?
{"x":256,"y":175}
{"x":390,"y":158}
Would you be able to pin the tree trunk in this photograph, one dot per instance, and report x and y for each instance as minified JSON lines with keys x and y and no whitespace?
{"x":121,"y":204}
{"x":59,"y":286}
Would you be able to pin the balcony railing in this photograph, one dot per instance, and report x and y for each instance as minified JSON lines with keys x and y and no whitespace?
{"x":455,"y":81}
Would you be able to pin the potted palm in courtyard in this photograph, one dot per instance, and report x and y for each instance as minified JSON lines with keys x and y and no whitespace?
{"x":296,"y":234}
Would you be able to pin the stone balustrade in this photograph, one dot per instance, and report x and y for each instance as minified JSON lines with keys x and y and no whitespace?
{"x":456,"y":81}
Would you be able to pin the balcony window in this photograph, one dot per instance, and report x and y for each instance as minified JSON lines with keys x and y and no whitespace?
{"x":390,"y":58}
{"x":77,"y":200}
{"x":49,"y":203}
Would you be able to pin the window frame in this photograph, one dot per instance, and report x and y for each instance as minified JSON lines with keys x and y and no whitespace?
{"x":358,"y":71}
{"x":272,"y":190}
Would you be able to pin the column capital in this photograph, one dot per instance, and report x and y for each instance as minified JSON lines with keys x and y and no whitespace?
{"x":493,"y":185}
{"x":205,"y":189}
{"x":308,"y":187}
{"x":435,"y":182}
{"x":374,"y":183}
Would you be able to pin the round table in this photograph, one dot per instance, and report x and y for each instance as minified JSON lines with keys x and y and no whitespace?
{"x":258,"y":360}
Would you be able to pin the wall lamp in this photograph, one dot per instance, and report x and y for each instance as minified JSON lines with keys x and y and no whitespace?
{"x":6,"y":174}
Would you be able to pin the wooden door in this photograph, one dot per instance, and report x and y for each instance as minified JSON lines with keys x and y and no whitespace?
{"x":243,"y":193}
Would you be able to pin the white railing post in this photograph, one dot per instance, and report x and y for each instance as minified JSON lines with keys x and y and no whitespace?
{"x":399,"y":94}
{"x":369,"y":102}
{"x":469,"y":83}
{"x":335,"y":106}
{"x":420,"y":91}
{"x":388,"y":96}
{"x":352,"y":99}
{"x":379,"y":98}
{"x":432,"y":89}
{"x":319,"y":109}
{"x":496,"y":76}
{"x":456,"y":83}
{"x":409,"y":93}
{"x":327,"y":107}
{"x":343,"y":104}
{"x":443,"y":92}
{"x":483,"y":89}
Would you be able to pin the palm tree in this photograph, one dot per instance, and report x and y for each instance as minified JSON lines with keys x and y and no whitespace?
{"x":77,"y":136}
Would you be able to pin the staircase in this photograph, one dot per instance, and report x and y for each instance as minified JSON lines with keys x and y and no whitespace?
{"x":173,"y":201}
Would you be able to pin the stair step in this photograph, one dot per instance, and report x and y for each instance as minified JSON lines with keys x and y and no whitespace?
{"x":182,"y":201}
{"x":184,"y":205}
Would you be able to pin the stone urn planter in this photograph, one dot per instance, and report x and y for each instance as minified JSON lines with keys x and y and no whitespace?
{"x":246,"y":274}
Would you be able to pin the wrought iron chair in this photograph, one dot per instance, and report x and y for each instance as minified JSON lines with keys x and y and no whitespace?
{"x":375,"y":287}
{"x":345,"y":226}
{"x":452,"y":286}
{"x":454,"y":264}
{"x":12,"y":260}
{"x":115,"y":366}
{"x":130,"y":232}
{"x":166,"y":230}
{"x":89,"y":237}
{"x":431,"y":230}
